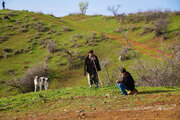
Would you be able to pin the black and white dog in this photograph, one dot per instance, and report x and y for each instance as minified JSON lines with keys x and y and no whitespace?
{"x":41,"y":81}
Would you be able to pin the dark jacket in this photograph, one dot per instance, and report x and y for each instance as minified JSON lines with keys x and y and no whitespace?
{"x":89,"y":65}
{"x":128,"y":81}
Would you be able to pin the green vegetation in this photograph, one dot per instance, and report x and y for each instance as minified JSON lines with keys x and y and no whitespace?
{"x":24,"y":39}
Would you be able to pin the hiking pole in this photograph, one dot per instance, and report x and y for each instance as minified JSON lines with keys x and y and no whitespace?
{"x":97,"y":73}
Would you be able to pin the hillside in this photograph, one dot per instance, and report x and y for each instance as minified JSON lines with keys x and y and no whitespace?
{"x":29,"y":39}
{"x":25,"y":37}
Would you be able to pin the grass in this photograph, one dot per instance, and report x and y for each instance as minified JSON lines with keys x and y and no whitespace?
{"x":61,"y":76}
{"x":32,"y":100}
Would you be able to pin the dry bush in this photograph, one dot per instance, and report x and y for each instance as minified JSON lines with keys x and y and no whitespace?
{"x":23,"y":30}
{"x":52,"y":46}
{"x":27,"y":80}
{"x":39,"y":26}
{"x":123,"y":54}
{"x":108,"y":18}
{"x":160,"y":27}
{"x":164,"y":74}
{"x":66,"y":29}
{"x":147,"y":29}
{"x":105,"y":69}
{"x":3,"y":38}
{"x":134,"y":28}
{"x":7,"y":50}
{"x":114,"y":9}
{"x":11,"y":13}
{"x":16,"y":52}
{"x":119,"y":29}
{"x":79,"y":36}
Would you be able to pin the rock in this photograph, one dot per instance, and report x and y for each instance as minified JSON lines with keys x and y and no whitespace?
{"x":104,"y":102}
{"x":65,"y":110}
{"x":83,"y":114}
{"x":94,"y":108}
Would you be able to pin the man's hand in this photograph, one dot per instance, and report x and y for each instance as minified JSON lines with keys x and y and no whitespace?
{"x":117,"y":81}
{"x":84,"y":73}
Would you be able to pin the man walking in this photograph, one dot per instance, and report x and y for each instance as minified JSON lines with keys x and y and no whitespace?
{"x":127,"y":83}
{"x":92,"y":66}
{"x":3,"y":5}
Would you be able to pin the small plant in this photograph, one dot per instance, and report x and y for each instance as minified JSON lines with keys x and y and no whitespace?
{"x":66,"y":29}
{"x":52,"y":46}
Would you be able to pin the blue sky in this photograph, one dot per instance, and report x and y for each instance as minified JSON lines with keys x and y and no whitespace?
{"x":64,"y":7}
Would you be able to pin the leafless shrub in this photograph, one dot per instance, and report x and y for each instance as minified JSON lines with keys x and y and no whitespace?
{"x":27,"y":80}
{"x":113,"y":9}
{"x":52,"y":46}
{"x":6,"y":55}
{"x":11,"y":13}
{"x":66,"y":29}
{"x":18,"y":22}
{"x":105,"y":64}
{"x":107,"y":18}
{"x":16,"y":52}
{"x":7,"y":50}
{"x":79,"y":36}
{"x":134,"y":28}
{"x":123,"y":53}
{"x":119,"y":29}
{"x":156,"y":74}
{"x":23,"y":30}
{"x":160,"y":26}
{"x":3,"y":38}
{"x":147,"y":29}
{"x":39,"y":26}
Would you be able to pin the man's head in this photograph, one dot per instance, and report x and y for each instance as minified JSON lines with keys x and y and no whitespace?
{"x":123,"y":71}
{"x":90,"y":53}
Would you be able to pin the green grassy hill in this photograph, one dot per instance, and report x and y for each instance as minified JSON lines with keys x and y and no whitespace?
{"x":24,"y":39}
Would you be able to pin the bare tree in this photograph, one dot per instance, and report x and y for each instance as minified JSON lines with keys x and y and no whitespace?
{"x":114,"y":9}
{"x":83,"y":6}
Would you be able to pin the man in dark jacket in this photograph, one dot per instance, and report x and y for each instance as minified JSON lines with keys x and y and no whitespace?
{"x":126,"y":83}
{"x":3,"y":5}
{"x":91,"y":66}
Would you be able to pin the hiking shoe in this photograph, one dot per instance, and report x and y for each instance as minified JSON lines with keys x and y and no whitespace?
{"x":135,"y":91}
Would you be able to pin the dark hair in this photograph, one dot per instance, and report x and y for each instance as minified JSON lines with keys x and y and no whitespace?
{"x":91,"y":51}
{"x":123,"y":70}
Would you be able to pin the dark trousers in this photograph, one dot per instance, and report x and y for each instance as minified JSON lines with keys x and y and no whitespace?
{"x":93,"y":78}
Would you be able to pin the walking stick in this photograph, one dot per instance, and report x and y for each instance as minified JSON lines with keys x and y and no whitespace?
{"x":97,"y":73}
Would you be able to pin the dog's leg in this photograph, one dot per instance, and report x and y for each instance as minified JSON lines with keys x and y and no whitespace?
{"x":35,"y":88}
{"x":40,"y":86}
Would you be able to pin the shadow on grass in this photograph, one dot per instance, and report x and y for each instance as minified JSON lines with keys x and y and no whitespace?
{"x":157,"y":91}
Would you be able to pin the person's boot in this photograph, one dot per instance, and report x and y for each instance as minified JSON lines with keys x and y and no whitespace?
{"x":135,"y":91}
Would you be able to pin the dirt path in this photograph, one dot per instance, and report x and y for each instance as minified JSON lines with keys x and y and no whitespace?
{"x":114,"y":37}
{"x":146,"y":113}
